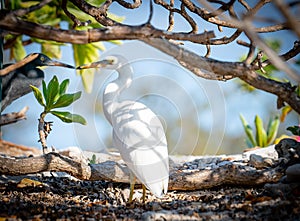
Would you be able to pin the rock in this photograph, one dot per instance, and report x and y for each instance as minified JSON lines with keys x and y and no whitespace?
{"x":289,"y":149}
{"x":260,"y":162}
{"x":266,"y":152}
{"x":293,"y":173}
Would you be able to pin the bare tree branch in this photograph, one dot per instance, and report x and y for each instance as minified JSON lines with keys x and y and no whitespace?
{"x":13,"y":117}
{"x":215,"y":70}
{"x":135,"y":4}
{"x":11,"y":23}
{"x":17,"y":65}
{"x":257,"y":41}
{"x":251,"y":52}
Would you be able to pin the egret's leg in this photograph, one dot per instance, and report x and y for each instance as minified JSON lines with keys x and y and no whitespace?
{"x":132,"y":182}
{"x":144,"y":192}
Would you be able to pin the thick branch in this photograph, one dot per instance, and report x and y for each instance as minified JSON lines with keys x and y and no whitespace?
{"x":11,"y":23}
{"x":216,"y":70}
{"x":17,"y":65}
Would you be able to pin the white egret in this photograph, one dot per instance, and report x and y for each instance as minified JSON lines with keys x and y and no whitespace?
{"x":137,"y":131}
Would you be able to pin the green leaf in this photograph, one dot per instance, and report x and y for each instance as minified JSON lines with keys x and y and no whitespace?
{"x":38,"y":95}
{"x":87,"y":77}
{"x":284,"y":112}
{"x":84,"y":54}
{"x":52,"y":92}
{"x":82,"y":17}
{"x":51,"y":50}
{"x":99,"y":45}
{"x":18,"y":50}
{"x":46,"y":15}
{"x":295,"y":130}
{"x":272,"y":130}
{"x":66,"y":99}
{"x":275,"y":44}
{"x":45,"y":93}
{"x":67,"y":117}
{"x":63,"y":86}
{"x":261,"y":135}
{"x":116,"y":17}
{"x":248,"y":130}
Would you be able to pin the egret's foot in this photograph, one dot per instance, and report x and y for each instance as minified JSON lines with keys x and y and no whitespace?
{"x":46,"y":150}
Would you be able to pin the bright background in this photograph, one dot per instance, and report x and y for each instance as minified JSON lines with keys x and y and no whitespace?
{"x":199,"y":116}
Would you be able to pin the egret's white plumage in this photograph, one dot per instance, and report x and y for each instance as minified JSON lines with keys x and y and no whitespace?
{"x":137,"y":131}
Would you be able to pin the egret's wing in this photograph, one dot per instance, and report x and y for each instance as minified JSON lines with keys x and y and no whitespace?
{"x":140,"y":138}
{"x":149,"y":164}
{"x":136,"y":125}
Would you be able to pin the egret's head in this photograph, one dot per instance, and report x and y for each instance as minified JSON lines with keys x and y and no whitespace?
{"x":109,"y":62}
{"x":39,"y":59}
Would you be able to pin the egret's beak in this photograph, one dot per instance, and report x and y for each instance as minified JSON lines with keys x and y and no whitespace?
{"x":57,"y":63}
{"x":98,"y":64}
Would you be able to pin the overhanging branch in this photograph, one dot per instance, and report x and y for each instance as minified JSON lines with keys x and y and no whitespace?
{"x":11,"y":23}
{"x":215,"y":70}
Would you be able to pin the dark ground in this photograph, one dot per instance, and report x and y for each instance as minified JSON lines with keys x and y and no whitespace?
{"x":63,"y":198}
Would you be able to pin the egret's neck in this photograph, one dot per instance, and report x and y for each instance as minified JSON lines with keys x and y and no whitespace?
{"x":113,"y":90}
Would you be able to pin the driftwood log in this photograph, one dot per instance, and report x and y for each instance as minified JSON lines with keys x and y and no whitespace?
{"x":252,"y":168}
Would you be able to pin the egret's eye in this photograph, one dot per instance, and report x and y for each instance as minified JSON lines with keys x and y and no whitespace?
{"x":112,"y":61}
{"x":42,"y":58}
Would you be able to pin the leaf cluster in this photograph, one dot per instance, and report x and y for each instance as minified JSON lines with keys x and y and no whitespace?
{"x":295,"y":130}
{"x":54,"y":96}
{"x":52,"y":14}
{"x":262,"y":137}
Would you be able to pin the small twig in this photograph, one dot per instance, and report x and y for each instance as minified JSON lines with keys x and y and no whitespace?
{"x":226,"y":40}
{"x":245,"y":4}
{"x":258,"y":61}
{"x":208,"y":51}
{"x":24,"y":11}
{"x":189,"y":19}
{"x":13,"y":117}
{"x":17,"y":65}
{"x":250,"y":53}
{"x":9,"y":43}
{"x":150,"y":13}
{"x":256,"y":8}
{"x":171,"y":17}
{"x":288,"y":55}
{"x":44,"y":129}
{"x":225,"y":7}
{"x":76,"y":21}
{"x":273,"y":28}
{"x":135,"y":4}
